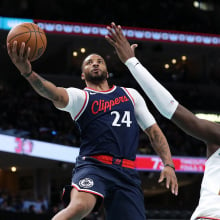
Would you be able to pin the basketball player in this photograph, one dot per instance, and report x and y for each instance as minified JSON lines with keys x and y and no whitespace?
{"x":108,"y":118}
{"x":209,"y":132}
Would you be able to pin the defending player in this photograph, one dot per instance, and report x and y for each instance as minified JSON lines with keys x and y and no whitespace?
{"x":108,"y":118}
{"x":209,"y":132}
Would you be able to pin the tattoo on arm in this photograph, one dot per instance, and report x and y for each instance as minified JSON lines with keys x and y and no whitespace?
{"x":43,"y":87}
{"x":159,"y":144}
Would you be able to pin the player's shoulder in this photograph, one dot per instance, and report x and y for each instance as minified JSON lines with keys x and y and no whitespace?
{"x":133,"y":94}
{"x":132,"y":91}
{"x":73,"y":90}
{"x":75,"y":93}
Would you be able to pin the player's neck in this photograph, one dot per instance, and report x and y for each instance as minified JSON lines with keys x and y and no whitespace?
{"x":99,"y":87}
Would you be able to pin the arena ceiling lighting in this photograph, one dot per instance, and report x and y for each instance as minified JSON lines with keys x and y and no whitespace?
{"x":204,"y":5}
{"x":209,"y":116}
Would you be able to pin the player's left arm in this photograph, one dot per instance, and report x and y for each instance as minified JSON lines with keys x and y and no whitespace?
{"x":161,"y":147}
{"x":158,"y":140}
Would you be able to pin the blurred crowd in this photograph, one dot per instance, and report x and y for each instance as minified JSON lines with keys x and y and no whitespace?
{"x":26,"y":114}
{"x":41,"y":209}
{"x":17,"y":204}
{"x":159,"y":14}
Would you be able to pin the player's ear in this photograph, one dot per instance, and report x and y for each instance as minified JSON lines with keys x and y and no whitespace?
{"x":107,"y":75}
{"x":82,"y":76}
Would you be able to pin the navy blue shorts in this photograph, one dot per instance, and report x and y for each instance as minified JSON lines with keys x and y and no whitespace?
{"x":119,"y":187}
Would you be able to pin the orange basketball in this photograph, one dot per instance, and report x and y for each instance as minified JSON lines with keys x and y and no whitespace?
{"x":33,"y":36}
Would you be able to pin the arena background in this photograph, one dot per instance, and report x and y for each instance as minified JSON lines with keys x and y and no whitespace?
{"x":193,"y":79}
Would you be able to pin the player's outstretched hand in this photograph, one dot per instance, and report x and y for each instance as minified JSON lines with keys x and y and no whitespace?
{"x":117,"y":39}
{"x":20,"y":58}
{"x":169,"y":175}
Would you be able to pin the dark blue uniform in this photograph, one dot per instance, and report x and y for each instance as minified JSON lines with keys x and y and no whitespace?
{"x":109,"y":129}
{"x":108,"y":125}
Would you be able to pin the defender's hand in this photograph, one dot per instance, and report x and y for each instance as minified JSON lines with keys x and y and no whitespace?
{"x":171,"y":181}
{"x":20,"y":58}
{"x":117,"y":39}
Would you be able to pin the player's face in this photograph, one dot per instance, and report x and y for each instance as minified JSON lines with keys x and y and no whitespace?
{"x":94,"y":69}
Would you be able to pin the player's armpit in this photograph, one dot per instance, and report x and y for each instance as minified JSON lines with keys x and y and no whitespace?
{"x":62,"y":98}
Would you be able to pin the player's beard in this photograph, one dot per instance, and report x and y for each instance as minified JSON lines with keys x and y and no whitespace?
{"x":96,"y":79}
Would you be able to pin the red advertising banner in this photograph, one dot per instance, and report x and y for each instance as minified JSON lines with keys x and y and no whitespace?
{"x":135,"y":33}
{"x":182,"y":164}
{"x":51,"y":151}
{"x":97,"y":30}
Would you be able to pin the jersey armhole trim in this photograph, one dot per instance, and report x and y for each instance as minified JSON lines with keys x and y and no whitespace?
{"x":83,"y":107}
{"x":129,"y":95}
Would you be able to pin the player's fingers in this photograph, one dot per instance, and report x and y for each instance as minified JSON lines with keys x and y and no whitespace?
{"x":21,"y":51}
{"x":174,"y":185}
{"x":116,"y":29}
{"x":121,"y":34}
{"x":168,"y":182}
{"x":133,"y":47}
{"x":117,"y":35}
{"x":113,"y":25}
{"x":112,"y":33}
{"x":9,"y":49}
{"x":27,"y":54}
{"x":110,"y":30}
{"x":14,"y":48}
{"x":174,"y":188}
{"x":161,"y":178}
{"x":110,"y":40}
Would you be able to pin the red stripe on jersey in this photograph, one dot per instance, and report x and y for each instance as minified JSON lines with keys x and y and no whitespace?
{"x":129,"y":95}
{"x":82,"y":106}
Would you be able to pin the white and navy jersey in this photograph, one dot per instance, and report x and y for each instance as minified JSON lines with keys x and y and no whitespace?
{"x":209,"y":202}
{"x":109,"y":120}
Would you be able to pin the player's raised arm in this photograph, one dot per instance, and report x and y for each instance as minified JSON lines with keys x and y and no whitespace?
{"x":164,"y":101}
{"x":43,"y":87}
{"x":202,"y":129}
{"x":117,"y":39}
